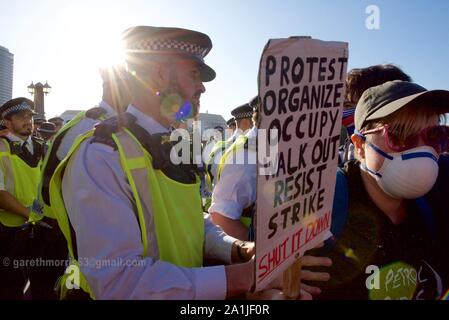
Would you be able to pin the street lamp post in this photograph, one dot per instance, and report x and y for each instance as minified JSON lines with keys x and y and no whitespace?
{"x":38,"y":90}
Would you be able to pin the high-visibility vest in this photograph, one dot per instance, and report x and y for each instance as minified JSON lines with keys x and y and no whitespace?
{"x":51,"y":161}
{"x":175,"y":207}
{"x":21,"y":182}
{"x":241,"y":143}
{"x":218,"y":148}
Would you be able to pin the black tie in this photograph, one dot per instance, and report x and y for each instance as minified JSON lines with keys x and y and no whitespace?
{"x":25,"y":151}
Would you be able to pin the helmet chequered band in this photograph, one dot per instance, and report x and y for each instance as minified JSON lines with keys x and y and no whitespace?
{"x":159,"y":45}
{"x":244,"y":115}
{"x":17,"y":108}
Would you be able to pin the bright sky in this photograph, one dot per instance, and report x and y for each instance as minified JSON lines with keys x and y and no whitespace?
{"x":65,"y":42}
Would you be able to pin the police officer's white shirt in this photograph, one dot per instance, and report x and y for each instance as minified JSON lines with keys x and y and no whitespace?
{"x":29,"y":146}
{"x":236,"y":189}
{"x":80,"y":128}
{"x":99,"y":202}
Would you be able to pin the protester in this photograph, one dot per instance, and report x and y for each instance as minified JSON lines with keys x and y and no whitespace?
{"x":388,"y":240}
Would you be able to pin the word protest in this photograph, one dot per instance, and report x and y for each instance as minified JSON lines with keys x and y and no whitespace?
{"x":301,"y":89}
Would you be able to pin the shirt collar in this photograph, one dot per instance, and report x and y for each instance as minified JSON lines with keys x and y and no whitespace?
{"x":110,"y":112}
{"x":15,"y":138}
{"x":235,"y":135}
{"x":146,"y":122}
{"x":252,"y":133}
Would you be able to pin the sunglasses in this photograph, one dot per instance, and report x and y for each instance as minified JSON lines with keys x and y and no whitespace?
{"x":436,"y":137}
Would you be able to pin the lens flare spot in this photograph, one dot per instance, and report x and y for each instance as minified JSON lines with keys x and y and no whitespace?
{"x":185,"y":112}
{"x":349,"y":253}
{"x":175,"y":107}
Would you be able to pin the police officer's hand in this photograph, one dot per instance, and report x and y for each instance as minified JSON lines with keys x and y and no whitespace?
{"x":35,"y":220}
{"x":34,"y":217}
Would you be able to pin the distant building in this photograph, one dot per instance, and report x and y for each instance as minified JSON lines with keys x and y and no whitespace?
{"x":211,"y":121}
{"x":6,"y":74}
{"x":69,"y":114}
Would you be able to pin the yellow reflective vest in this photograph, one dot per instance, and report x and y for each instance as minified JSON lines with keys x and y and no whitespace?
{"x":21,"y":181}
{"x":51,"y":161}
{"x":240,"y":143}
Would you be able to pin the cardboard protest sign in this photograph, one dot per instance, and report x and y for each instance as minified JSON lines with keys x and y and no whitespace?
{"x":301,"y":87}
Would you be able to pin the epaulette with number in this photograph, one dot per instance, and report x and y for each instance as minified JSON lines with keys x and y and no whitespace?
{"x":15,"y":147}
{"x":158,"y":145}
{"x":37,"y":139}
{"x":104,"y":130}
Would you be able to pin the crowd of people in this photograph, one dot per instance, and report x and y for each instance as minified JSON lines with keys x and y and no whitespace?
{"x":100,"y":195}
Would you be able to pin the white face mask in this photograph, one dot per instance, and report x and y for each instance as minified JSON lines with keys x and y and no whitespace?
{"x":406,"y":175}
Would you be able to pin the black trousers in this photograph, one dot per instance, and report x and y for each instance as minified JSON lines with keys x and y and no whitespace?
{"x":49,"y":251}
{"x":12,"y":275}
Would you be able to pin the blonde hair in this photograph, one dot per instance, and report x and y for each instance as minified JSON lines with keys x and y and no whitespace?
{"x":408,"y":121}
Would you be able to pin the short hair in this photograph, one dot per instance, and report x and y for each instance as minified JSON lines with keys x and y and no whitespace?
{"x":407,"y":121}
{"x":360,"y":79}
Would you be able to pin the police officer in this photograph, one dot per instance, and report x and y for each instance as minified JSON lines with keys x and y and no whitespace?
{"x":124,"y":201}
{"x":58,"y":122}
{"x":242,"y":118}
{"x":47,"y":131}
{"x":20,"y":157}
{"x":231,"y":125}
{"x":38,"y":120}
{"x":234,"y":194}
